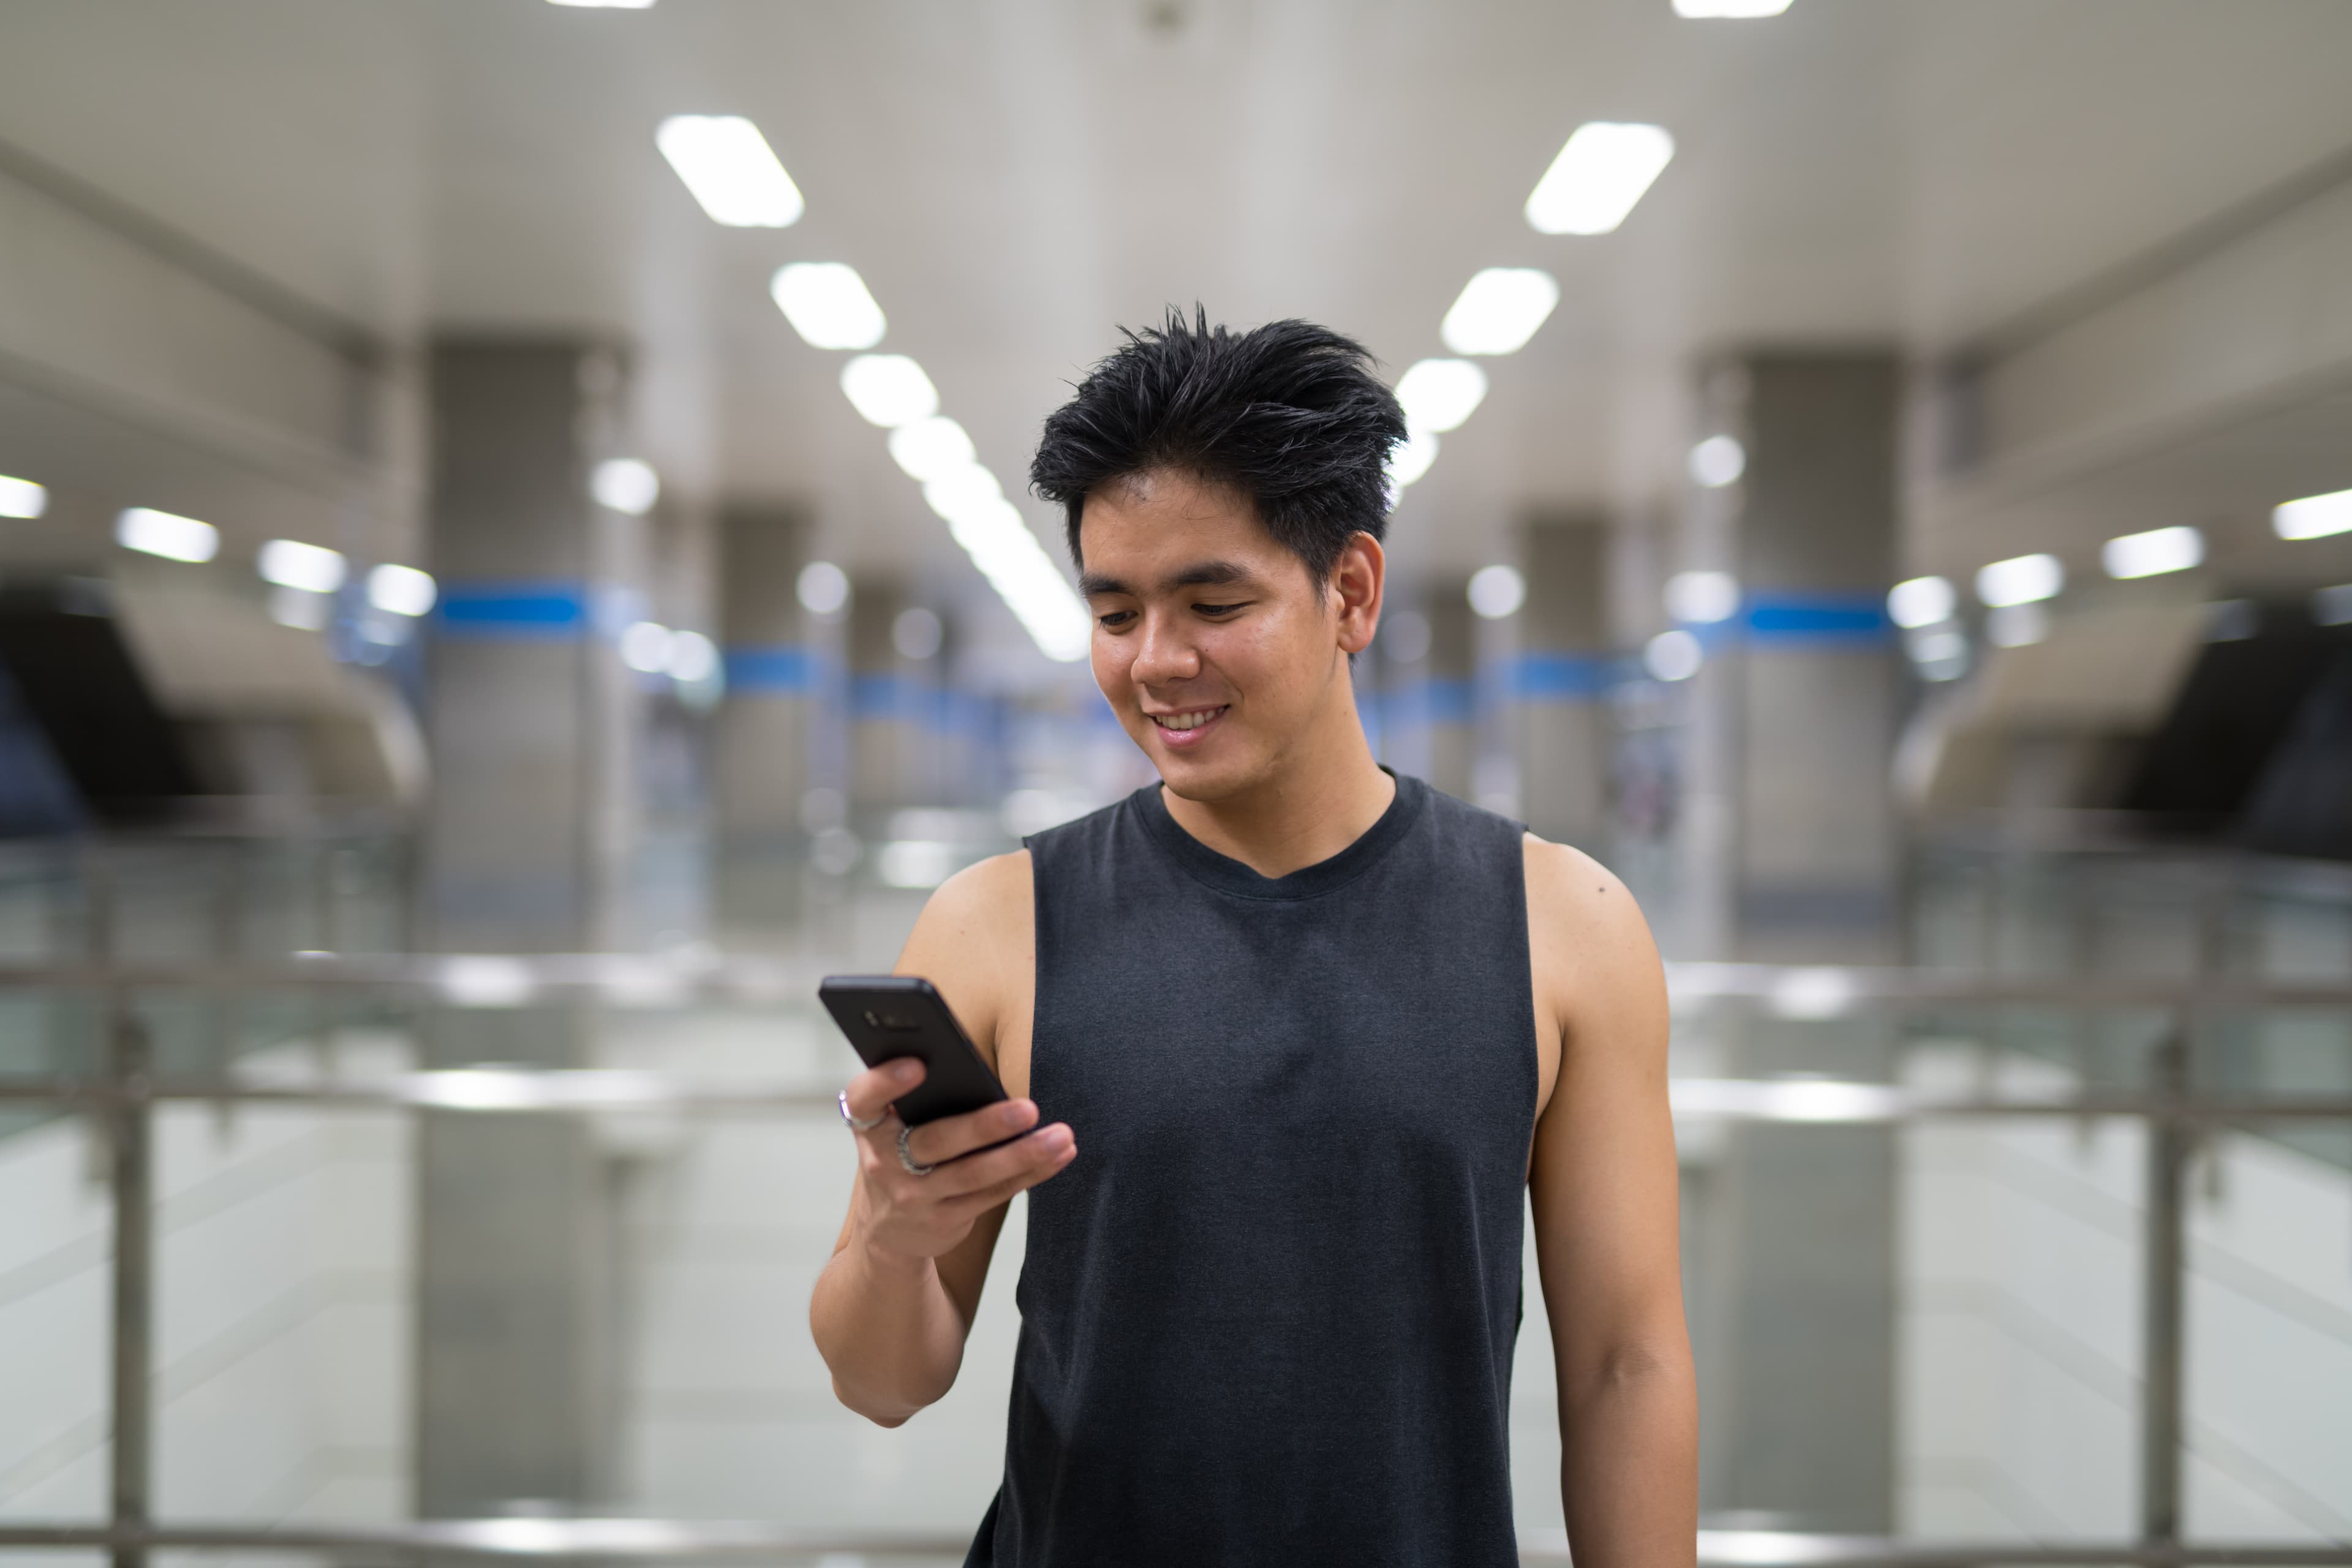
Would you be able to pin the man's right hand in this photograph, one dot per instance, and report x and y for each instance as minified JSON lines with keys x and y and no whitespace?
{"x":907,"y":1217}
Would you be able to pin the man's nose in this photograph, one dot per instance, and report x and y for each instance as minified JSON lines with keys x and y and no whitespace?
{"x":1167,"y":653}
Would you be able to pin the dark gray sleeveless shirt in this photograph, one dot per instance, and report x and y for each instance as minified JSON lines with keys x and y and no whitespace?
{"x":1268,"y":1315}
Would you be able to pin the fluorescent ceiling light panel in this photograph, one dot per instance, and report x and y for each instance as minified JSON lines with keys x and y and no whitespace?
{"x":2333,"y":606}
{"x":827,"y":304}
{"x":627,"y":485}
{"x":889,"y":389}
{"x":22,"y":497}
{"x":290,"y":563}
{"x":402,"y":590}
{"x":1729,"y":10}
{"x":2020,"y":580}
{"x":963,"y":492}
{"x":163,"y":533}
{"x":1438,"y":395}
{"x":1921,"y":602}
{"x":1598,"y":177}
{"x":1499,"y":310}
{"x":2153,"y":554}
{"x":2314,"y":517}
{"x":1410,"y":458}
{"x":929,"y":448}
{"x":730,"y":170}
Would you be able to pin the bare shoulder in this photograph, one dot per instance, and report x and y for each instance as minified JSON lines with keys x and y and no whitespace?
{"x":1590,"y":946}
{"x":976,"y":940}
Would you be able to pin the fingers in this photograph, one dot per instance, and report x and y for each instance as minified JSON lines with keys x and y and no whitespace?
{"x":936,"y":1142}
{"x":1039,"y":1153}
{"x":987,"y":1194}
{"x":871,"y":1091}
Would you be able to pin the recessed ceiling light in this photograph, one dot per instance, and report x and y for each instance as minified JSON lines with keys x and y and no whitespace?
{"x":22,"y":497}
{"x":1499,"y":310}
{"x":2314,"y":517}
{"x":290,"y":563}
{"x":1672,"y":655}
{"x":2153,"y":552}
{"x":822,"y":587}
{"x":1497,"y":592}
{"x":1718,"y":461}
{"x":2020,"y":580}
{"x":889,"y":389}
{"x":927,"y":448}
{"x":646,"y":646}
{"x":164,"y":533}
{"x":827,"y":304}
{"x":1702,"y":598}
{"x":627,"y":485}
{"x":1599,"y":175}
{"x":730,"y":169}
{"x":1438,"y":395}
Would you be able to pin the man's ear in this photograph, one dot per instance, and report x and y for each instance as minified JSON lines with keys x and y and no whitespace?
{"x":1357,"y":580}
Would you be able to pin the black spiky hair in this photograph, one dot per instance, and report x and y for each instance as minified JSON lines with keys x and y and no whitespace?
{"x":1288,"y":414}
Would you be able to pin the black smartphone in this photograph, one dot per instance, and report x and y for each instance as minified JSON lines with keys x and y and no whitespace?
{"x":888,"y":1016}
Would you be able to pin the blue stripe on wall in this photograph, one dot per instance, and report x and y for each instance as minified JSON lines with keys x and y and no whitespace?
{"x":1799,"y":617}
{"x":1561,"y":677}
{"x":512,"y":611}
{"x":775,"y":669}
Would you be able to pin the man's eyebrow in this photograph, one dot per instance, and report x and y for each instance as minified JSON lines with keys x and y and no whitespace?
{"x":1210,"y":572}
{"x":1197,"y":575}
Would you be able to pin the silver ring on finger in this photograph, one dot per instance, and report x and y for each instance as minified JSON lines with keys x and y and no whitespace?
{"x":907,"y":1158}
{"x":868,"y":1125}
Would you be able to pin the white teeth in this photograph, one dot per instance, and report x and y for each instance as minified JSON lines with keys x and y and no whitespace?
{"x":1186,"y":720}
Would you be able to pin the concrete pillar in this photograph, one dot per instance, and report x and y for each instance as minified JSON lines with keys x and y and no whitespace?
{"x":531,"y":721}
{"x":768,"y":734}
{"x":891,"y":703}
{"x":1559,"y":680}
{"x":1817,"y":828}
{"x":1797,"y":1245}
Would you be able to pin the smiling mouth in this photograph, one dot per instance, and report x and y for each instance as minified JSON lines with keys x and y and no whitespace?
{"x":1187,"y":721}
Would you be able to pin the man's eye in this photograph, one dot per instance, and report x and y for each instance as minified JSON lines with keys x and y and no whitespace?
{"x":1216,"y":610}
{"x":1116,"y":618}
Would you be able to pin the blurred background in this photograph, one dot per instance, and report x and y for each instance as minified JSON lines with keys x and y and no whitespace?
{"x":514,"y":559}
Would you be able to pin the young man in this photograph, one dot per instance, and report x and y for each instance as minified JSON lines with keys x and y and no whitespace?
{"x":1317,"y":1030}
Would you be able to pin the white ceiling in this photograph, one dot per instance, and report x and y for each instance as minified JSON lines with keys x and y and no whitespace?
{"x":1016,"y":177}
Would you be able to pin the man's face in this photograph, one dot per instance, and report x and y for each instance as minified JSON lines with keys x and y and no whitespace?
{"x":1214,"y":646}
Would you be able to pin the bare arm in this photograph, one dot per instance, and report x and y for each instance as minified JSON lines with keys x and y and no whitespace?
{"x":893,"y":1306}
{"x":1603,"y":1180}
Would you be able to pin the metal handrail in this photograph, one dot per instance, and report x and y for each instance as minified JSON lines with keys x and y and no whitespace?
{"x":128,"y":1091}
{"x":566,"y":1091}
{"x":679,"y":1539}
{"x":1809,"y":992}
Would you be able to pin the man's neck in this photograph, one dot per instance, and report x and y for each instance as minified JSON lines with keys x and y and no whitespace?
{"x":1325,"y":797}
